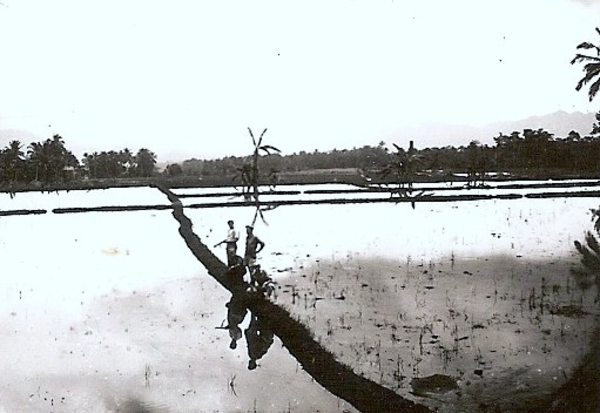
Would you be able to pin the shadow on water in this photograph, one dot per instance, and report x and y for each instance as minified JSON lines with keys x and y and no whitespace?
{"x":510,"y":331}
{"x":134,"y":405}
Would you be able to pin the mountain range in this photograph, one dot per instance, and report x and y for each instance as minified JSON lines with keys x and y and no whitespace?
{"x":442,"y":134}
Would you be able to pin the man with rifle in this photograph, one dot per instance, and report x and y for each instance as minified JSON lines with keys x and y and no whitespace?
{"x":233,"y":236}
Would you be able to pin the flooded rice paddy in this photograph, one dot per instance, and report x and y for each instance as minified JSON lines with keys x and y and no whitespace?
{"x":105,"y":310}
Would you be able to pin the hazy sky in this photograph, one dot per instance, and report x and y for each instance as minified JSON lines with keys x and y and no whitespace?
{"x":188,"y":77}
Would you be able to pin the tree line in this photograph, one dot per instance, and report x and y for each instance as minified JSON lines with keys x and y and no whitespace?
{"x":529,"y":151}
{"x":50,"y":161}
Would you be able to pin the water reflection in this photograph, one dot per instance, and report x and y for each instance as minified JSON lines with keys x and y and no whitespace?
{"x":259,"y":336}
{"x":236,"y":312}
{"x":259,"y":339}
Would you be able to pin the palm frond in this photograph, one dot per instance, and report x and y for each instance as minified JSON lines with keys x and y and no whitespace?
{"x":582,"y":277}
{"x":582,"y":58}
{"x":592,"y":243}
{"x":594,"y":89}
{"x":589,"y":260}
{"x":588,"y":45}
{"x":596,"y":218}
{"x":261,"y":138}
{"x":252,"y":136}
{"x":269,"y":148}
{"x":593,"y":72}
{"x":262,"y":217}
{"x":583,"y":81}
{"x":592,"y":68}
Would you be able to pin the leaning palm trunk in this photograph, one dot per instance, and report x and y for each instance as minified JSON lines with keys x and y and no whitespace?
{"x":339,"y":379}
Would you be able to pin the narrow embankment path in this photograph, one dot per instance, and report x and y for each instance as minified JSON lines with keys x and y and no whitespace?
{"x":339,"y":379}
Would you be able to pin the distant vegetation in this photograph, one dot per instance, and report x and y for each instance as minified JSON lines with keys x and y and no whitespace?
{"x":50,"y":162}
{"x":527,"y":153}
{"x":531,"y":152}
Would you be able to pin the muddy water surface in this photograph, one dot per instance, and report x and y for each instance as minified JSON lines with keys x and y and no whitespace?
{"x":478,"y":292}
{"x":110,"y":312}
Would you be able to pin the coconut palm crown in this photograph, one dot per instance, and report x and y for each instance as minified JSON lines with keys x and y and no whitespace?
{"x":591,"y":67}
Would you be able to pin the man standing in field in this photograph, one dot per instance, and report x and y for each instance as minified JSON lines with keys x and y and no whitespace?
{"x":233,"y":236}
{"x":253,"y":246}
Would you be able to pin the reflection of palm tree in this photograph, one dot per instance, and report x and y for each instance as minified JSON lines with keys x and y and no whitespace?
{"x":249,"y":173}
{"x":591,"y":68}
{"x":259,"y":338}
{"x":589,"y":274}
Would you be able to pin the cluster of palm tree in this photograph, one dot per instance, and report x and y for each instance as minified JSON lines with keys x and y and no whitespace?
{"x":48,"y":161}
{"x":112,"y":164}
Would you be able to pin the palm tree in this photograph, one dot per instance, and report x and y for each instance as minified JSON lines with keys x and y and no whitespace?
{"x":127,"y":160}
{"x":402,"y":167}
{"x":145,"y":160}
{"x":51,"y":160}
{"x":38,"y":159}
{"x":13,"y":160}
{"x":591,"y":68}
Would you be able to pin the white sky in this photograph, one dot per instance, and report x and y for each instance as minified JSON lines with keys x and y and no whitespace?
{"x":188,"y":77}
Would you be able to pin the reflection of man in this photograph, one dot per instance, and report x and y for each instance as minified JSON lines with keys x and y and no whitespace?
{"x":236,"y":312}
{"x":259,"y":338}
{"x":236,"y":272}
{"x":253,"y":246}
